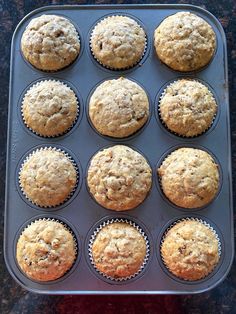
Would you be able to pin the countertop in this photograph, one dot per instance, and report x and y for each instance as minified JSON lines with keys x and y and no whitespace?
{"x":15,"y":299}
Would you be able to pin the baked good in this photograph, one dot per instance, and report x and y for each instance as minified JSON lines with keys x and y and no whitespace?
{"x":118,"y":107}
{"x":187,"y":107}
{"x":46,"y":250}
{"x":119,"y":250}
{"x":190,"y":250}
{"x":49,"y":108}
{"x":119,"y":178}
{"x":185,"y":41}
{"x":189,"y":177}
{"x":48,"y":177}
{"x":50,"y":42}
{"x":118,"y":42}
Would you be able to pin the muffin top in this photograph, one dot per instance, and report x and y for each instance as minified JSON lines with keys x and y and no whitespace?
{"x":50,"y":42}
{"x":119,"y":250}
{"x":185,"y":42}
{"x":118,"y":107}
{"x":45,"y":250}
{"x":49,"y":108}
{"x":187,"y":107}
{"x":190,"y":250}
{"x":119,"y":178}
{"x":118,"y":42}
{"x":47,"y":177}
{"x":189,"y":177}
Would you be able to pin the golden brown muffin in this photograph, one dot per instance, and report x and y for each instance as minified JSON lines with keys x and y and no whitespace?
{"x":119,"y":250}
{"x":48,"y":177}
{"x":119,"y":178}
{"x":118,"y":42}
{"x":118,"y":107}
{"x":49,"y":108}
{"x":190,"y":250}
{"x":50,"y":42}
{"x":185,"y":42}
{"x":46,"y":250}
{"x":187,"y":107}
{"x":189,"y":177}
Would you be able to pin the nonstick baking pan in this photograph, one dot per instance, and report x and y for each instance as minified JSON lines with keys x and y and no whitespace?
{"x":81,"y":213}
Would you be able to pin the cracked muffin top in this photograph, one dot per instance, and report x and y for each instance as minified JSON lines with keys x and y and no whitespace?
{"x":118,"y":107}
{"x":50,"y":42}
{"x":119,"y":250}
{"x":49,"y":108}
{"x":118,"y":42}
{"x":190,"y":250}
{"x":46,"y":250}
{"x":185,"y":42}
{"x":189,"y":177}
{"x":119,"y":178}
{"x":187,"y":107}
{"x":47,"y":177}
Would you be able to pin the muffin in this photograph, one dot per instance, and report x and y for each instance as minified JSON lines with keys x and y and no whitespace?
{"x":118,"y":42}
{"x":118,"y":108}
{"x":119,"y":250}
{"x":190,"y":249}
{"x":185,"y":42}
{"x":119,"y":178}
{"x":49,"y":108}
{"x":187,"y":107}
{"x":46,"y":250}
{"x":189,"y":177}
{"x":50,"y":42}
{"x":48,"y":177}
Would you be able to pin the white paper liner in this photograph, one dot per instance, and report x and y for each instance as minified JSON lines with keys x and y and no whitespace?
{"x":59,"y":134}
{"x":163,"y":122}
{"x":69,"y":158}
{"x":190,"y":219}
{"x":112,"y":68}
{"x":131,"y":223}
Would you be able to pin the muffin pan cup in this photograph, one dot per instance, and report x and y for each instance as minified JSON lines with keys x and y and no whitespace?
{"x":156,"y":213}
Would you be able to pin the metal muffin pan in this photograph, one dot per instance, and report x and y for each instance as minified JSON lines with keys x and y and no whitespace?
{"x":81,"y":212}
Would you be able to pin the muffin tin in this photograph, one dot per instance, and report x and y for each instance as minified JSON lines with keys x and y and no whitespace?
{"x":81,"y":212}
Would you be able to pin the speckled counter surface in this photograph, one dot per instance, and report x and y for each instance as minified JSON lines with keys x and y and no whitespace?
{"x":13,"y":298}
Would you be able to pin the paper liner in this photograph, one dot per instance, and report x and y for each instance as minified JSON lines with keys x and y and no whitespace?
{"x":74,"y":241}
{"x":59,"y":134}
{"x":131,"y":223}
{"x":190,"y":219}
{"x":163,"y":122}
{"x":106,"y":66}
{"x":69,"y":158}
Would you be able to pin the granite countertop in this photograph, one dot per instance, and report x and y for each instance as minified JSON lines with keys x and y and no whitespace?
{"x":15,"y":299}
